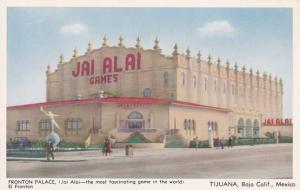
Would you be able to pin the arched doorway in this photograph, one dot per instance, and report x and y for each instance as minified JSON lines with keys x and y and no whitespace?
{"x":135,"y":120}
{"x":248,"y":128}
{"x":256,"y":128}
{"x":240,"y":127}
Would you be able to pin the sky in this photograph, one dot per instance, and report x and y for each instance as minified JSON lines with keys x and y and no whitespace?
{"x":259,"y":38}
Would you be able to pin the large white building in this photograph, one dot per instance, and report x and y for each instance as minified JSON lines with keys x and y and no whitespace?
{"x":123,"y":92}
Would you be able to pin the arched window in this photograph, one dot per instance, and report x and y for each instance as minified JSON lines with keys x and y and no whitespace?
{"x":190,"y":125}
{"x":183,"y":78}
{"x":248,"y":128}
{"x":135,"y":115}
{"x":147,"y":92}
{"x":256,"y":128}
{"x":166,"y":79}
{"x":135,"y":120}
{"x":240,"y":128}
{"x":205,"y":84}
{"x":194,"y":81}
{"x":185,"y":124}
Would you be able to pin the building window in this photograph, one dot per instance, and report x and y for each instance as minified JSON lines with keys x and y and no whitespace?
{"x":45,"y":125}
{"x":183,"y":79}
{"x":194,"y":81}
{"x":23,"y":125}
{"x":147,"y":92}
{"x":166,"y":79}
{"x":205,"y":84}
{"x":73,"y":124}
{"x":224,"y":87}
{"x":232,"y":89}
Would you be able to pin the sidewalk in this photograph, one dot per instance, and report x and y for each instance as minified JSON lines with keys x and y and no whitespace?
{"x":78,"y":156}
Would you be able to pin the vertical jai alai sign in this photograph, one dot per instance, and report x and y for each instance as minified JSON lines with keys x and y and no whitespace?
{"x":111,"y":67}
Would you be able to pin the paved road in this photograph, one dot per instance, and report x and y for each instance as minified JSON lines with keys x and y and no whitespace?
{"x":259,"y":161}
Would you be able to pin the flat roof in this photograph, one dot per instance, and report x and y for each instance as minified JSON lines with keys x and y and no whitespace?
{"x":123,"y":100}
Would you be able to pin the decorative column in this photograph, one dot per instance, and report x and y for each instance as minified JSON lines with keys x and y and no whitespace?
{"x":258,"y":98}
{"x":265,"y":110}
{"x":199,"y":98}
{"x":209,"y":82}
{"x":236,"y":97}
{"x":61,"y":72}
{"x":210,"y":134}
{"x":244,"y":97}
{"x":120,"y":44}
{"x":228,"y":92}
{"x":48,"y":83}
{"x":219,"y":83}
{"x":189,"y":76}
{"x":251,"y":89}
{"x":104,"y":43}
{"x":271,"y":97}
{"x":281,"y":94}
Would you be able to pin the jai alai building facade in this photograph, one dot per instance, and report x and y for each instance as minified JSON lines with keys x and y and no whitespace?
{"x":118,"y":92}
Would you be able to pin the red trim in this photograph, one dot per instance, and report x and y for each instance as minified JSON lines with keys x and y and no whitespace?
{"x":128,"y":100}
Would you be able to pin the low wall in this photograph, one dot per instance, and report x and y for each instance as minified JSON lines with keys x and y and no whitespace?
{"x":139,"y":145}
{"x":284,"y":131}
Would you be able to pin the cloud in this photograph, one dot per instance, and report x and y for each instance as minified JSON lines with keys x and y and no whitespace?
{"x":75,"y":28}
{"x":216,"y":28}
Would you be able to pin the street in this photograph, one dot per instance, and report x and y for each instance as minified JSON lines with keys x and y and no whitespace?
{"x":256,"y":162}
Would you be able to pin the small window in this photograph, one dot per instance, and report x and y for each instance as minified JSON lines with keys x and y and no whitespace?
{"x":147,"y":92}
{"x":224,"y":87}
{"x":73,"y":124}
{"x":194,"y":81}
{"x":205,"y":84}
{"x":44,"y":125}
{"x":232,"y":89}
{"x":166,"y":79}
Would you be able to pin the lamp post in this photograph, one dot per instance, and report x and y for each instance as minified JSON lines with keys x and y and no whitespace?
{"x":210,"y":135}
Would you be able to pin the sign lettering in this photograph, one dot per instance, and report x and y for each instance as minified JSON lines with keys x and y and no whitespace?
{"x":111,"y":67}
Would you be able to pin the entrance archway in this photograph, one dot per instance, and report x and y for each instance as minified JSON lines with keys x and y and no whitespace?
{"x":135,"y":120}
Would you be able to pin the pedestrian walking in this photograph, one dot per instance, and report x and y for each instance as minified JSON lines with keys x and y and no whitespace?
{"x":222,"y":143}
{"x":230,"y":142}
{"x":107,"y":145}
{"x":196,"y":142}
{"x":217,"y":142}
{"x":50,"y":150}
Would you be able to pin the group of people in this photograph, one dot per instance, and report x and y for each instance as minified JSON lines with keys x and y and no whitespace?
{"x":221,"y":143}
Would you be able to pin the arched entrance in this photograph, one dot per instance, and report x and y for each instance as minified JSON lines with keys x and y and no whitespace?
{"x":256,"y":128}
{"x":135,"y":120}
{"x":240,"y":127}
{"x":248,"y":128}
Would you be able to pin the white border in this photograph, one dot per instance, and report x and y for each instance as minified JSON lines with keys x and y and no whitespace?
{"x":189,"y":183}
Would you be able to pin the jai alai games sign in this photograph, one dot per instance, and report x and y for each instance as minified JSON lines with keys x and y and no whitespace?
{"x":111,"y":67}
{"x":278,"y":122}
